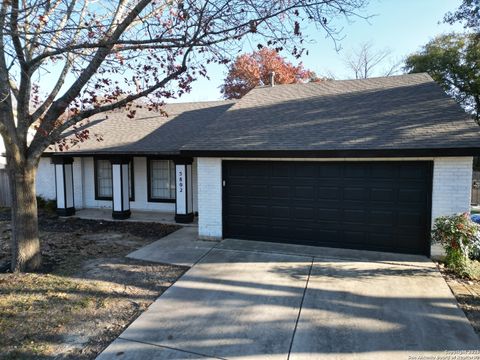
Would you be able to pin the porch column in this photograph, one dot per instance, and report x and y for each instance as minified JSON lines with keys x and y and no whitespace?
{"x":120,"y":193}
{"x":184,"y":191}
{"x":64,"y":185}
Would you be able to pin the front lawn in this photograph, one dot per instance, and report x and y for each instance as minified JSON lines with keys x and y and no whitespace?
{"x":87,"y":291}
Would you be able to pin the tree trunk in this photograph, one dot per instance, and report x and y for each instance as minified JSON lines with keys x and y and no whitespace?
{"x":25,"y":242}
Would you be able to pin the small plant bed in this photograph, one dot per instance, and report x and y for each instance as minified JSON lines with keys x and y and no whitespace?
{"x":460,"y":239}
{"x":87,"y":291}
{"x":467,"y":293}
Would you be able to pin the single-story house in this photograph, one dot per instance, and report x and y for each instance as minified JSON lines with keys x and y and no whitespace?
{"x":363,"y":164}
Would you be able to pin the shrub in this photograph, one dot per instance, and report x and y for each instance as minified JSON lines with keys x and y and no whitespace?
{"x":41,"y":202}
{"x":459,"y":236}
{"x":51,"y":206}
{"x":47,"y":205}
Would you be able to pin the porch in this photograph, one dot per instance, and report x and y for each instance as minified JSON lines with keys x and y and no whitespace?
{"x":147,"y":189}
{"x":136,"y":215}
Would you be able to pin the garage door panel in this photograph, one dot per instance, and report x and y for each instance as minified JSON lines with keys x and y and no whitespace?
{"x":330,"y":171}
{"x":355,"y":170}
{"x":352,"y":204}
{"x":325,"y":225}
{"x":259,"y":210}
{"x":280,"y":191}
{"x":379,"y":239}
{"x":385,"y":172}
{"x":406,"y":240}
{"x":304,"y":232}
{"x":324,"y":236}
{"x":412,"y":172}
{"x":382,"y":218}
{"x":354,"y":216}
{"x":304,"y":192}
{"x":259,"y":190}
{"x":238,"y":210}
{"x":355,"y":193}
{"x":303,"y":213}
{"x":328,"y":192}
{"x":238,"y":189}
{"x":372,"y":205}
{"x":280,"y":212}
{"x":410,"y":218}
{"x":281,"y":170}
{"x":328,"y":214}
{"x":411,"y":196}
{"x":382,"y":194}
{"x":354,"y":237}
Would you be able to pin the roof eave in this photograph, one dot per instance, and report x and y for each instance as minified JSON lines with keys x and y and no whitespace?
{"x":344,"y":153}
{"x":112,"y":153}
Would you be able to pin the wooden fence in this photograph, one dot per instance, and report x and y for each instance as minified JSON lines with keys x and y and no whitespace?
{"x":476,"y":188}
{"x":5,"y":196}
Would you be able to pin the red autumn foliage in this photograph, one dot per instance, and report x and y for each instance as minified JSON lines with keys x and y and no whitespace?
{"x":250,"y":70}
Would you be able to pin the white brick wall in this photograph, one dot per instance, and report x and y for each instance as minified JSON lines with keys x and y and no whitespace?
{"x":209,"y":174}
{"x":194,"y":186}
{"x":451,"y":188}
{"x":45,"y":182}
{"x":452,"y":182}
{"x":78,"y":182}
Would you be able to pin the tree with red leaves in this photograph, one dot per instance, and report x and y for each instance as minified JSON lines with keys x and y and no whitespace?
{"x":257,"y":68}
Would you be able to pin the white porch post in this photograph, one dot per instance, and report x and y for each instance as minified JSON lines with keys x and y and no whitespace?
{"x":64,"y":185}
{"x":184,"y":190}
{"x":120,"y":193}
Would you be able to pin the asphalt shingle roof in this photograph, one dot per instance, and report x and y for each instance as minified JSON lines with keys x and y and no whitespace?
{"x":391,"y":113}
{"x":149,"y":132}
{"x":399,"y":112}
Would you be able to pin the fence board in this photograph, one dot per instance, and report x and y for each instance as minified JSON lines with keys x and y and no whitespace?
{"x":476,"y":188}
{"x":5,"y":196}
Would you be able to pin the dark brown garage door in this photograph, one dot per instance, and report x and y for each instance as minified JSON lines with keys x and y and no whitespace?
{"x":382,"y":206}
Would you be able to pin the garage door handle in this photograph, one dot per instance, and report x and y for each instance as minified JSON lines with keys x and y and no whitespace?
{"x":223,"y":183}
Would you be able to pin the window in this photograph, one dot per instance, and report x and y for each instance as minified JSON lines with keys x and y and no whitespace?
{"x":161,"y":178}
{"x":103,"y":180}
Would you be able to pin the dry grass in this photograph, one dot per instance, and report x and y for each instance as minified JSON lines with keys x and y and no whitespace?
{"x":36,"y":309}
{"x":88,"y":293}
{"x":467,"y":293}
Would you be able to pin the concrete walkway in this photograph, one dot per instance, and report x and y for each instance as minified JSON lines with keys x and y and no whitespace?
{"x":251,"y":300}
{"x":136,"y":216}
{"x":179,"y":248}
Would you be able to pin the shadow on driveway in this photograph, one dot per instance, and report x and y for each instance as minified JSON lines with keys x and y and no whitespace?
{"x":250,"y":305}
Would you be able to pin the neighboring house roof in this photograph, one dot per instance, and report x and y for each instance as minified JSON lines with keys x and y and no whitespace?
{"x":346,"y":117}
{"x":149,"y":132}
{"x":406,"y":115}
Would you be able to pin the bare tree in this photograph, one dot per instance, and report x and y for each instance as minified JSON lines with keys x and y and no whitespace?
{"x":106,"y":54}
{"x":365,"y":61}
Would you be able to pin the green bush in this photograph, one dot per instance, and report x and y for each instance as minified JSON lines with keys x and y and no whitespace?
{"x":459,"y":236}
{"x":41,"y":202}
{"x":47,"y":205}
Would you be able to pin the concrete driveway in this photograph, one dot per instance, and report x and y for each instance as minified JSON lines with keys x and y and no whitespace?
{"x":251,"y":300}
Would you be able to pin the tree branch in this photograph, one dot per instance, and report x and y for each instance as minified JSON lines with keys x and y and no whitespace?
{"x":40,"y":143}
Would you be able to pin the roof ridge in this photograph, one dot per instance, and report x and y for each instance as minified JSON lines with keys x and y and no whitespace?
{"x":422,"y":74}
{"x":226,"y":101}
